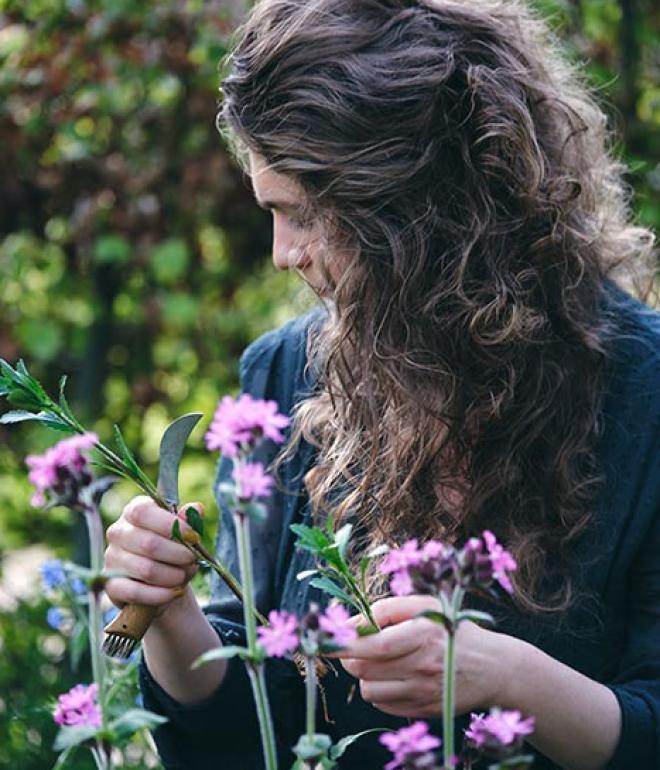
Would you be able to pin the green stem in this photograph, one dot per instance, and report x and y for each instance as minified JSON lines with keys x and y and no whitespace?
{"x":95,"y":534}
{"x":258,"y":682}
{"x":310,"y":700}
{"x":255,"y":671}
{"x":449,"y":677}
{"x":448,"y":702}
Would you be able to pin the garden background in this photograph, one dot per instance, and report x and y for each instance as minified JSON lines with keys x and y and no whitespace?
{"x":133,"y":259}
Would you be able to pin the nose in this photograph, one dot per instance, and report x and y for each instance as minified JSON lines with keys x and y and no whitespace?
{"x":287,"y":251}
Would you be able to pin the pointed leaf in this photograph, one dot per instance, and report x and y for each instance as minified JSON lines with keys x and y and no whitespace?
{"x":367,"y":630}
{"x":342,"y":539}
{"x":176,"y":532}
{"x":476,"y":617}
{"x":63,"y":757}
{"x":340,"y":747}
{"x":73,"y":736}
{"x":329,"y":587}
{"x":195,"y":520}
{"x":136,"y":719}
{"x":220,"y":653}
{"x":310,"y":538}
{"x":436,"y":617}
{"x":64,"y":405}
{"x":126,"y":454}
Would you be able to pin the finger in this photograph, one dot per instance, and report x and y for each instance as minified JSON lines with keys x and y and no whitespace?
{"x":151,"y":545}
{"x":395,"y":609}
{"x":199,"y":507}
{"x":142,"y":512}
{"x":405,"y":693}
{"x":127,"y":591}
{"x":406,"y":710}
{"x":376,"y":670}
{"x":389,"y":644}
{"x":147,"y":570}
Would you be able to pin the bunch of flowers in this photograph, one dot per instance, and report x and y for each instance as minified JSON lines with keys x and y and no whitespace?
{"x":497,"y":736}
{"x":62,"y":471}
{"x":413,"y":748}
{"x":316,"y":633}
{"x":438,"y":568}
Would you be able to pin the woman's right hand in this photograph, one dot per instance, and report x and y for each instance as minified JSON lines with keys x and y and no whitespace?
{"x":157,"y":568}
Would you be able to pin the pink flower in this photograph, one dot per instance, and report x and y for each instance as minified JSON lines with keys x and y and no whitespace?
{"x":63,"y":462}
{"x":281,"y":637}
{"x":251,"y":480}
{"x":242,"y":422}
{"x":409,"y":743}
{"x":401,"y":558}
{"x":78,"y":707}
{"x":498,"y":728}
{"x":501,"y":560}
{"x":401,"y":584}
{"x":335,"y":621}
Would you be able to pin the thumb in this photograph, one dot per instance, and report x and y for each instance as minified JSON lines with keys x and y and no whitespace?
{"x":396,"y":609}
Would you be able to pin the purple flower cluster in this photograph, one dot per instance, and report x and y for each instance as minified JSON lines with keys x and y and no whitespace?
{"x":62,"y":470}
{"x":252,"y":480}
{"x":499,"y":734}
{"x":412,"y":747}
{"x":285,"y":634}
{"x":437,"y":567}
{"x":78,"y":707}
{"x":239,"y":424}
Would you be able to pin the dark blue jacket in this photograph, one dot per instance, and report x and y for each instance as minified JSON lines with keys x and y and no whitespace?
{"x":611,"y":635}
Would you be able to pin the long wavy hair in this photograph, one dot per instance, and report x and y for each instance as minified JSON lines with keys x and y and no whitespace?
{"x":461,"y":171}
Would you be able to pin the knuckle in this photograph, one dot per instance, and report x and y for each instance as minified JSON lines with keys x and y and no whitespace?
{"x":148,"y":544}
{"x":147,"y":571}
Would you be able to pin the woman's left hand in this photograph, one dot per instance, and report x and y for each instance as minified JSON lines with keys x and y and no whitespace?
{"x":400,"y":669}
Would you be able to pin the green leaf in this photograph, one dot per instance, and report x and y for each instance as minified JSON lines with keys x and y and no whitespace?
{"x":125,"y":452}
{"x":23,"y":399}
{"x":64,"y":405}
{"x":310,"y":538}
{"x":44,"y":418}
{"x":73,"y":736}
{"x":314,"y":748}
{"x":476,"y":617}
{"x":195,"y":520}
{"x":340,"y":747}
{"x":136,"y":719}
{"x":220,"y":653}
{"x":176,"y":531}
{"x":520,"y":762}
{"x":367,"y":630}
{"x":330,"y":587}
{"x":437,"y":617}
{"x":63,"y":757}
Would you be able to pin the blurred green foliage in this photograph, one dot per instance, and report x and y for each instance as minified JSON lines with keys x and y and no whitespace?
{"x":133,"y":259}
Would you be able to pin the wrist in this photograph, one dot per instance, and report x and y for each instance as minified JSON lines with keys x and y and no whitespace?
{"x":173,"y":614}
{"x":516,"y":657}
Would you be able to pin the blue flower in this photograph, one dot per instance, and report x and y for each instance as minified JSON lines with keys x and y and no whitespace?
{"x":78,"y":586}
{"x":55,"y":618}
{"x":52,"y":574}
{"x":139,"y":701}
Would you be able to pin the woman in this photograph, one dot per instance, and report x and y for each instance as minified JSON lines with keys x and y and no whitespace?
{"x":439,"y":176}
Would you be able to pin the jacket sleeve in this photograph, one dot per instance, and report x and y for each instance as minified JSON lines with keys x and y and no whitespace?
{"x":637,"y":684}
{"x":223,"y":730}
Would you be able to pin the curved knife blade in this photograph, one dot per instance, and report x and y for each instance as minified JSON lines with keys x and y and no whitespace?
{"x":171,"y":449}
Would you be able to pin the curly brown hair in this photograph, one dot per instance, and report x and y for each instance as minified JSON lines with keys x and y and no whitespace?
{"x":456,"y":156}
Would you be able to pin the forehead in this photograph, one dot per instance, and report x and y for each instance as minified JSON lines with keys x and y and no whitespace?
{"x":269,"y":185}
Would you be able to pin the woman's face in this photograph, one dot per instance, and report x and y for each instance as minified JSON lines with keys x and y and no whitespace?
{"x":296,"y":242}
